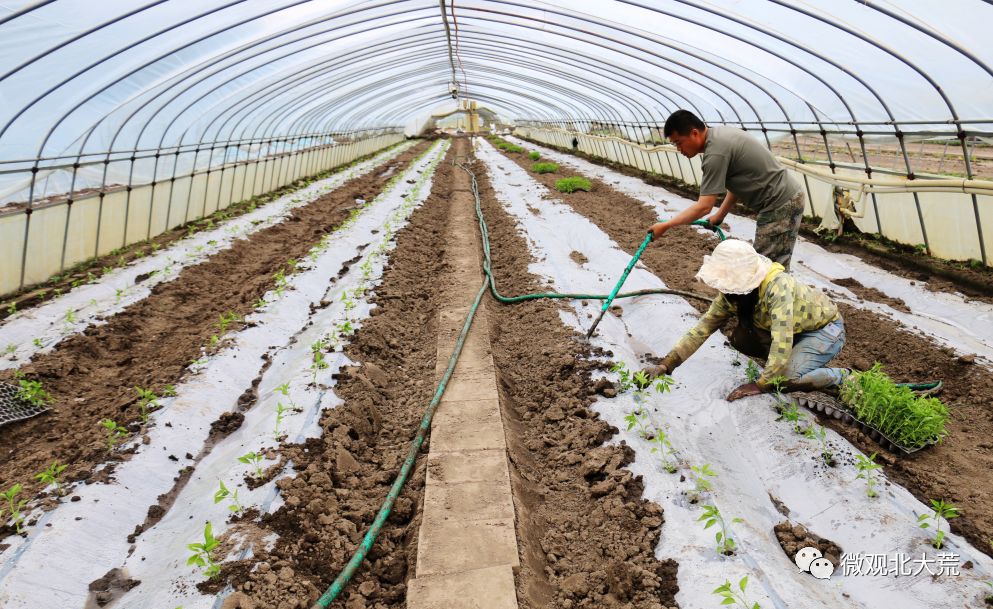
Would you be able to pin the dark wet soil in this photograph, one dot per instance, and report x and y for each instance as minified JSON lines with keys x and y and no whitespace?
{"x":959,"y":470}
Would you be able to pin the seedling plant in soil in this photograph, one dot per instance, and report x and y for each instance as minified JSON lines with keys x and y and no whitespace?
{"x":712,"y":516}
{"x":866,"y":467}
{"x":147,"y":401}
{"x":701,"y":477}
{"x":14,"y":506}
{"x":827,"y":455}
{"x":115,"y":433}
{"x":224,"y":493}
{"x":572,"y":184}
{"x":939,"y":510}
{"x":31,"y":391}
{"x":732,"y":597}
{"x":663,"y":448}
{"x":752,"y":371}
{"x":201,"y":553}
{"x":254,"y":459}
{"x":51,"y":476}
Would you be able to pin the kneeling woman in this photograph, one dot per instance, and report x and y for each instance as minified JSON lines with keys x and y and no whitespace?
{"x":805,"y":326}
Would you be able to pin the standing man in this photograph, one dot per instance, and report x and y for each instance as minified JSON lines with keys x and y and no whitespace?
{"x":735,"y":162}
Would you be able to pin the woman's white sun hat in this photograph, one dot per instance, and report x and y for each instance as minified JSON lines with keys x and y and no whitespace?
{"x":734,"y":267}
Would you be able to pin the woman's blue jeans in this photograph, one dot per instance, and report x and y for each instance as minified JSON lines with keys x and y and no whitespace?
{"x":812,"y":351}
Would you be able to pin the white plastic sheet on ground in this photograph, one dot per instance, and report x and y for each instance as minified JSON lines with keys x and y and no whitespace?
{"x":40,"y":328}
{"x":45,"y":571}
{"x":755,"y":457}
{"x":947,"y":318}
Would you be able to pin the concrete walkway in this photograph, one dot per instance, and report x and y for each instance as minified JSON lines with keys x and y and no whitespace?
{"x":467,"y":546}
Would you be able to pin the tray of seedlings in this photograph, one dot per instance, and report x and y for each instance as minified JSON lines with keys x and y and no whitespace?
{"x":896,"y":416}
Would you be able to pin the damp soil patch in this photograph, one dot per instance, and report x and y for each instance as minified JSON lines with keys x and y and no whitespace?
{"x":587,"y":538}
{"x":92,"y":376}
{"x":343,"y":477}
{"x":959,"y":470}
{"x":871,"y":294}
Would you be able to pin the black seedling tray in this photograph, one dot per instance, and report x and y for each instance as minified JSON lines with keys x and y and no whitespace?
{"x":13,"y":408}
{"x":827,"y":405}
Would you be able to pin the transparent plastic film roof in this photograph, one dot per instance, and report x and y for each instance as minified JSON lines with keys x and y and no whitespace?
{"x":85,"y":85}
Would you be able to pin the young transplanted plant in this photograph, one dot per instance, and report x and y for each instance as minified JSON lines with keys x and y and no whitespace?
{"x":701,"y":477}
{"x":254,"y":459}
{"x":115,"y":433}
{"x":31,"y":391}
{"x":866,"y":468}
{"x":663,"y":448}
{"x":51,"y":475}
{"x":14,"y":506}
{"x":223,"y":493}
{"x":939,"y":510}
{"x":712,"y":516}
{"x":147,"y":401}
{"x":732,"y":597}
{"x":201,"y":553}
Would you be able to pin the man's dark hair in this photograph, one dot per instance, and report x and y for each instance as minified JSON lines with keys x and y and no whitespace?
{"x":682,"y":122}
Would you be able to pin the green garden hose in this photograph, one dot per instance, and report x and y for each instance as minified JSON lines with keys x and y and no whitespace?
{"x":415,"y":446}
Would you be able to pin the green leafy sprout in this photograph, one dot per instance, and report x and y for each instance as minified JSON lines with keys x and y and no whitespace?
{"x":732,"y":597}
{"x":701,"y":477}
{"x":14,"y":506}
{"x":255,"y":460}
{"x":225,"y":320}
{"x":663,"y":448}
{"x":280,"y":415}
{"x":115,"y":433}
{"x":319,"y":363}
{"x":572,"y":184}
{"x":224,"y":493}
{"x":534,"y":155}
{"x":712,"y":516}
{"x":51,"y":475}
{"x":751,"y":371}
{"x":201,"y":553}
{"x":32,"y":391}
{"x":147,"y":401}
{"x":939,"y":510}
{"x":866,"y":467}
{"x":545,"y":167}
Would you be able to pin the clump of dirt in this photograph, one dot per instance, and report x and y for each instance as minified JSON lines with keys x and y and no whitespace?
{"x":587,"y":537}
{"x":92,"y":375}
{"x":959,"y":470}
{"x":109,"y":587}
{"x":871,"y":294}
{"x":343,"y":477}
{"x":578,"y":257}
{"x":794,"y":537}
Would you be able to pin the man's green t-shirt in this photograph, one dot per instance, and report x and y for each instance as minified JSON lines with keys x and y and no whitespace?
{"x":736,"y":161}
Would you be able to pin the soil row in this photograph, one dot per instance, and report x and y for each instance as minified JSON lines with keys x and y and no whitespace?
{"x":959,"y":470}
{"x":587,"y":538}
{"x":344,"y":476}
{"x":92,"y":376}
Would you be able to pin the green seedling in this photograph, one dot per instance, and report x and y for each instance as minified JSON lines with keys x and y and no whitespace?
{"x":939,"y":510}
{"x":791,"y":414}
{"x":106,"y":270}
{"x":169,"y":391}
{"x":280,"y":414}
{"x":115,"y":433}
{"x":37,"y":343}
{"x":10,"y":350}
{"x":826,"y":454}
{"x":214,"y":340}
{"x":225,"y":320}
{"x":712,"y":516}
{"x":76,"y":283}
{"x":260,"y":303}
{"x":121,"y":261}
{"x":90,"y":277}
{"x":751,"y":371}
{"x":732,"y":597}
{"x":32,"y":392}
{"x":200,"y":361}
{"x":545,"y":167}
{"x":14,"y":506}
{"x":283,"y":389}
{"x":701,"y":477}
{"x":201,"y":553}
{"x":56,"y":292}
{"x":639,"y":419}
{"x":70,"y":316}
{"x":11,"y":307}
{"x":93,"y":302}
{"x":51,"y":475}
{"x":223,"y":493}
{"x":534,"y":155}
{"x":663,"y":448}
{"x":910,"y":420}
{"x":345,"y":328}
{"x":147,"y":401}
{"x":318,"y":363}
{"x":119,"y":293}
{"x":572,"y":184}
{"x":866,"y":468}
{"x":280,"y":278}
{"x":254,"y":459}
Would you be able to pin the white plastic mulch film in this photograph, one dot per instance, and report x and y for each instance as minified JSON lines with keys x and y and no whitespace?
{"x":101,"y":97}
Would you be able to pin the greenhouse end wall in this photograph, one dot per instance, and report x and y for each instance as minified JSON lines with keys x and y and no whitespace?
{"x":42,"y":241}
{"x":948,"y":217}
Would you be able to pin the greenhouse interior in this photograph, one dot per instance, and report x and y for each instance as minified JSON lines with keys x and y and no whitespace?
{"x":478,"y":304}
